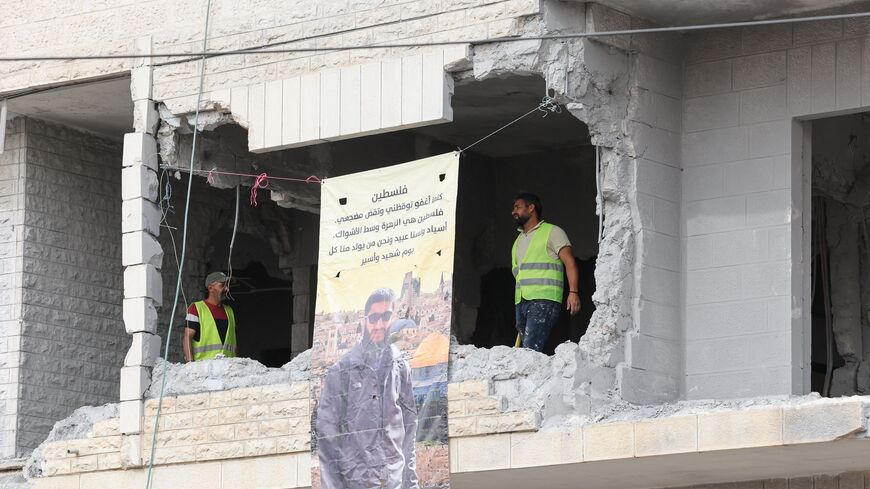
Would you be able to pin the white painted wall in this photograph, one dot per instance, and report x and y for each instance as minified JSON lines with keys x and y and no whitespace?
{"x":744,"y":196}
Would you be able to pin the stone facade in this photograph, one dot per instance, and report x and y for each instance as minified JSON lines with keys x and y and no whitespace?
{"x":64,"y":335}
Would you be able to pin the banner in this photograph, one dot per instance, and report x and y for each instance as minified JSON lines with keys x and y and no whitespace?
{"x":382,"y":327}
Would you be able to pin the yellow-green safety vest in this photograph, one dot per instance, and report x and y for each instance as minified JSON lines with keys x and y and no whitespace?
{"x":539,"y":276}
{"x":209,"y":344}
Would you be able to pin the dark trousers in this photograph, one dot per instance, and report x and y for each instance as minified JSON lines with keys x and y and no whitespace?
{"x":535,"y":320}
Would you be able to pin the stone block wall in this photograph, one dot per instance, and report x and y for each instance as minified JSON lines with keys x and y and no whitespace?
{"x":72,"y":337}
{"x":301,"y":23}
{"x":746,"y":196}
{"x":11,"y":255}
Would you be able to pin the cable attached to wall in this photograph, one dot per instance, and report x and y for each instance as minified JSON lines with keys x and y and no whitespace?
{"x":232,"y":242}
{"x":183,"y":249}
{"x":548,"y":105}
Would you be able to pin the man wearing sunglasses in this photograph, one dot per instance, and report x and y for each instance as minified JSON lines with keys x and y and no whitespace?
{"x":366,"y":418}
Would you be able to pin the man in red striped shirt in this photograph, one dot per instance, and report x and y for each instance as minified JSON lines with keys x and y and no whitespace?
{"x":211,"y":329}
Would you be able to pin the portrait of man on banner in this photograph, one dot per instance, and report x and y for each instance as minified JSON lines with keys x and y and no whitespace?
{"x":367,"y":418}
{"x":382,"y":326}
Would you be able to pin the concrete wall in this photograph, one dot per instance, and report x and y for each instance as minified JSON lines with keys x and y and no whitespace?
{"x":11,"y":256}
{"x":654,"y":346}
{"x":745,"y":196}
{"x":65,"y":297}
{"x":72,"y":337}
{"x":302,"y":23}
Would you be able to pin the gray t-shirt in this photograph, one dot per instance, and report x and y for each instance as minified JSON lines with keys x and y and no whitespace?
{"x":557,"y":240}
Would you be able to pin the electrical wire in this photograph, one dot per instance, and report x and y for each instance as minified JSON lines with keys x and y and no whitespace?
{"x":194,"y":56}
{"x":183,"y":251}
{"x":232,"y":242}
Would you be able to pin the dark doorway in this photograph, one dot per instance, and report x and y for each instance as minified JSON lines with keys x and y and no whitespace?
{"x":264,"y":312}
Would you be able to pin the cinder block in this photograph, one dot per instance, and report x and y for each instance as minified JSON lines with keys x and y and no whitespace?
{"x":715,"y":146}
{"x":740,"y":247}
{"x":145,"y":118}
{"x":658,"y":320}
{"x":437,"y":88}
{"x":131,"y":417}
{"x":666,"y":436}
{"x":290,"y":111}
{"x":824,"y":96}
{"x":644,"y":387}
{"x":658,"y":180}
{"x":848,"y":74}
{"x":139,"y":149}
{"x":412,"y":89}
{"x":391,"y":88}
{"x":140,"y":215}
{"x":769,"y":138}
{"x":257,"y":116}
{"x":309,"y":109}
{"x":144,"y":350}
{"x":713,"y":44}
{"x":749,"y":176}
{"x":760,"y":70}
{"x":608,"y":441}
{"x":800,"y":83}
{"x":490,"y":452}
{"x":711,"y":112}
{"x":746,"y":428}
{"x":370,"y":97}
{"x":239,"y":105}
{"x":766,"y":38}
{"x":769,"y":208}
{"x":658,"y":76}
{"x":140,"y":248}
{"x":330,"y":103}
{"x":653,"y":354}
{"x":720,"y":284}
{"x":140,"y":315}
{"x":134,"y":382}
{"x":272,"y":117}
{"x":708,"y":78}
{"x":816,"y":32}
{"x":763,"y":104}
{"x":767,"y":279}
{"x":822,"y":421}
{"x":140,"y":83}
{"x":659,"y":285}
{"x":351,"y":93}
{"x":715,"y":215}
{"x":720,"y":320}
{"x":660,"y":250}
{"x":143,"y":281}
{"x":703,"y":182}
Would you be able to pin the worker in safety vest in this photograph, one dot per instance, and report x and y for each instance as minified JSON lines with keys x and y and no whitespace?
{"x":540,"y":258}
{"x":211,"y":325}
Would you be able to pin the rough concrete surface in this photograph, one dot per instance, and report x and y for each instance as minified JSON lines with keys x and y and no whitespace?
{"x":13,"y":481}
{"x":223,"y":374}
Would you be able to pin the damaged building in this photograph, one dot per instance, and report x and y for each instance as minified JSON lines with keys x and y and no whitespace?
{"x":714,"y":183}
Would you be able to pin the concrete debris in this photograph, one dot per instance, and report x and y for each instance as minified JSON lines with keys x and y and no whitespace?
{"x":223,"y":374}
{"x":75,"y":426}
{"x":13,"y":481}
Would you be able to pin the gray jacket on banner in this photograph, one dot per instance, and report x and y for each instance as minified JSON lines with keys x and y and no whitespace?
{"x":366,"y":421}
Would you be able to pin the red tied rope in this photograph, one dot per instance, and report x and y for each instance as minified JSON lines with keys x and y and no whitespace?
{"x":262,"y":181}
